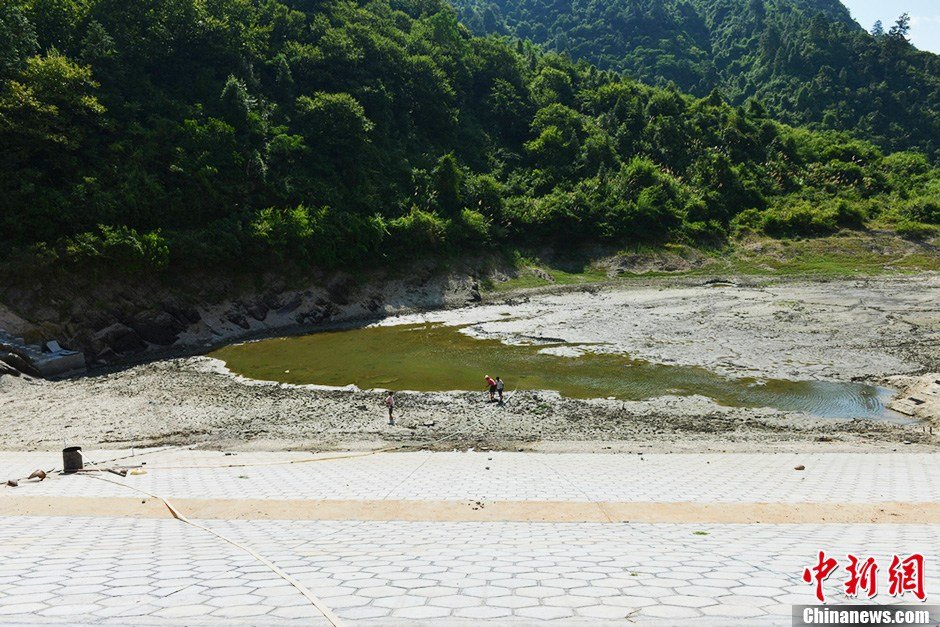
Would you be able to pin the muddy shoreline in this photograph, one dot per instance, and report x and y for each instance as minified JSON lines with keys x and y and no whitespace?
{"x":880,"y":330}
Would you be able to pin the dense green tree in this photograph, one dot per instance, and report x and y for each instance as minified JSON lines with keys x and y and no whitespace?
{"x":447,"y":184}
{"x":806,"y":60}
{"x":236,"y":133}
{"x":17,"y":39}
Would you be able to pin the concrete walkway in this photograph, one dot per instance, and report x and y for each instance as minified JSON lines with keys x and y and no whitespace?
{"x":702,"y":478}
{"x":125,"y":560}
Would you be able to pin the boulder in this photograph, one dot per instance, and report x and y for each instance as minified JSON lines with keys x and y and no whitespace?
{"x":120,"y":338}
{"x":183,"y":312}
{"x":106,"y":355}
{"x":19,"y":364}
{"x":157,"y":327}
{"x":258,"y":311}
{"x":921,"y":399}
{"x":474,"y":295}
{"x":339,"y":289}
{"x":7,"y":369}
{"x":286,"y":303}
{"x":238,"y":317}
{"x":315,"y":315}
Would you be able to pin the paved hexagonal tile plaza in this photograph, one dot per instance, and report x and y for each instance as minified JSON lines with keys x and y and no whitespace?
{"x":362,"y":536}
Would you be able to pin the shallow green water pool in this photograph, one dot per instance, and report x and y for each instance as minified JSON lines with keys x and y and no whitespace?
{"x":428,"y":357}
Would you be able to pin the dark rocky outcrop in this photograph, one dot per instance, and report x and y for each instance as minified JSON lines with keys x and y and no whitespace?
{"x":286,"y":303}
{"x":6,"y":369}
{"x":157,"y":327}
{"x":119,"y":338}
{"x":111,"y":321}
{"x":316,"y":315}
{"x":340,"y":289}
{"x":238,"y":317}
{"x":258,"y":311}
{"x":473,"y":294}
{"x":18,"y":364}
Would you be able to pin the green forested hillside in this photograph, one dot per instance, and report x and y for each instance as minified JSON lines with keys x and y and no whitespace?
{"x":805,"y":60}
{"x":239,"y":133}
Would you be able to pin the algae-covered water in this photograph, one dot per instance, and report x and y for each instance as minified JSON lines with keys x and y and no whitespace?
{"x":428,"y":357}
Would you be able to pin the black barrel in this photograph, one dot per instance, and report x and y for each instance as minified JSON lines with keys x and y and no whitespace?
{"x":71,"y":459}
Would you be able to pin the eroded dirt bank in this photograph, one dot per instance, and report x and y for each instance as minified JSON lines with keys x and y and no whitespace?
{"x":879,"y":330}
{"x":121,"y":322}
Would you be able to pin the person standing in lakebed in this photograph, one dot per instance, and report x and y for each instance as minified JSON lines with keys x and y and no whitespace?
{"x":499,"y":389}
{"x":492,"y":383}
{"x":390,"y":403}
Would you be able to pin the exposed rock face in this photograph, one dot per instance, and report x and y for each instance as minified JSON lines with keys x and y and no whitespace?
{"x":111,"y":322}
{"x":920,"y":400}
{"x":662,"y":261}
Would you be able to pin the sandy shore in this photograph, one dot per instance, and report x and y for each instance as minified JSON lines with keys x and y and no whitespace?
{"x":881,"y":330}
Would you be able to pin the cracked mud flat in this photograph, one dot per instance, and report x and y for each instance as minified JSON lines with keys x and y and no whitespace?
{"x":881,"y":331}
{"x":838,"y":330}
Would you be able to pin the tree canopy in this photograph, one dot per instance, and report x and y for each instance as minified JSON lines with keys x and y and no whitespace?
{"x":241,"y":133}
{"x":805,"y":60}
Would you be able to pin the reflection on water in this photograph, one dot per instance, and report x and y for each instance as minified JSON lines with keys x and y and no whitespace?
{"x":436,"y":357}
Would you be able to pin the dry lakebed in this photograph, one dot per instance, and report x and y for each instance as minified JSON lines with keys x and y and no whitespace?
{"x":662,"y":366}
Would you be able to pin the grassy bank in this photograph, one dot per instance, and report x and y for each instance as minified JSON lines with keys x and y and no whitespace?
{"x":846,"y":254}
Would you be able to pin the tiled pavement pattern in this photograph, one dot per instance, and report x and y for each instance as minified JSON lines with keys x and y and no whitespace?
{"x":142,"y":571}
{"x":713,"y":477}
{"x":121,"y":570}
{"x":139,"y":571}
